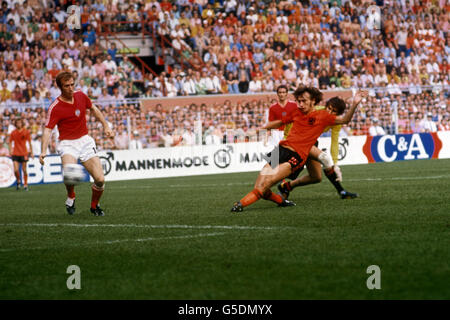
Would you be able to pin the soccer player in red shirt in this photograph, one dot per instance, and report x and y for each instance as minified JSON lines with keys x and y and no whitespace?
{"x":278,"y":110}
{"x":18,"y":142}
{"x":68,"y":111}
{"x":292,"y":153}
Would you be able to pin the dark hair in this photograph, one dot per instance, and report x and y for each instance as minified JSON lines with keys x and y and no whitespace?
{"x":314,"y":93}
{"x":282,"y":87}
{"x":337,"y":104}
{"x":16,"y":121}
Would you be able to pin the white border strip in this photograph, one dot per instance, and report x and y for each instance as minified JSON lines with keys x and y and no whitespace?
{"x":174,"y":226}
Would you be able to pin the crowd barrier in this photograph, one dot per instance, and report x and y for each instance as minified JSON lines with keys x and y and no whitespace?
{"x":232,"y":158}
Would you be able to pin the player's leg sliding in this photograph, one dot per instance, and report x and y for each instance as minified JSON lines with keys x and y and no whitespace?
{"x":255,"y":195}
{"x":269,"y":195}
{"x":96,"y":195}
{"x":285,"y":188}
{"x":70,"y":201}
{"x":247,"y":200}
{"x":277,"y":198}
{"x":329,"y":169}
{"x":331,"y":175}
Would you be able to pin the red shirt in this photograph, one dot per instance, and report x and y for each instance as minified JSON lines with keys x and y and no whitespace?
{"x":277,"y":111}
{"x":70,"y":118}
{"x":306,"y":129}
{"x":20,"y":138}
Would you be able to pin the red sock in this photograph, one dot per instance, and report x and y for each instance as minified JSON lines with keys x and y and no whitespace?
{"x":269,"y":195}
{"x":96,"y":195}
{"x":70,"y":191}
{"x":251,"y":197}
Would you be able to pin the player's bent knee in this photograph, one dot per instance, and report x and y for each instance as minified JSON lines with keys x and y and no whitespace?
{"x":316,"y":179}
{"x":325,"y":160}
{"x":99,"y":181}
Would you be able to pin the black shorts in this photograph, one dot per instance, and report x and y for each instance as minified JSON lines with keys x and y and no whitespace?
{"x":19,"y":158}
{"x":286,"y":155}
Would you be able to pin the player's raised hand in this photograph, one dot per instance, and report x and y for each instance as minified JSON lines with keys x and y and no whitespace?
{"x":359,"y":95}
{"x":109,"y":132}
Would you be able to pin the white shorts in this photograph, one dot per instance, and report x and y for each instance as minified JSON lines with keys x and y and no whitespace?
{"x":83,"y":148}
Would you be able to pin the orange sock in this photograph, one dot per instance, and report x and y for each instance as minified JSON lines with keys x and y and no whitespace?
{"x":269,"y":195}
{"x":25,"y":179}
{"x":96,"y":194}
{"x":251,"y":197}
{"x":70,"y":191}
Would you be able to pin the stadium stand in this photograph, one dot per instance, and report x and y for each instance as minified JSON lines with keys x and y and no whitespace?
{"x":223,"y":48}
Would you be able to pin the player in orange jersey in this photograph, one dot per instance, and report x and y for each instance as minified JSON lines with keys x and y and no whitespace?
{"x":292,"y":153}
{"x":20,"y":152}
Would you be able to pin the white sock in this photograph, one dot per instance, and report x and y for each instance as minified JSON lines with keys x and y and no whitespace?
{"x":70,"y":201}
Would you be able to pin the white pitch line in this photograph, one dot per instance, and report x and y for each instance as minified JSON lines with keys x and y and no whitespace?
{"x":165,"y":238}
{"x":120,"y":241}
{"x":174,"y":226}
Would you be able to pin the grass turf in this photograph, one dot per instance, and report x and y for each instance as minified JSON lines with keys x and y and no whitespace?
{"x":177,"y":239}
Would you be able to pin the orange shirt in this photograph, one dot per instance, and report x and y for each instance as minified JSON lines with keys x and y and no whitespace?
{"x":19,"y":139}
{"x":306,"y":129}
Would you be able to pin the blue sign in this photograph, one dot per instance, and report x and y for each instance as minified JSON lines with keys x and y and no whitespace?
{"x":390,"y":148}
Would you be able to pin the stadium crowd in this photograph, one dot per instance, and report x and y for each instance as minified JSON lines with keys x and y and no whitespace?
{"x":227,"y":47}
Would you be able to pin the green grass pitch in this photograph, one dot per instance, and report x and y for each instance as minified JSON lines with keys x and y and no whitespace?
{"x":177,"y":239}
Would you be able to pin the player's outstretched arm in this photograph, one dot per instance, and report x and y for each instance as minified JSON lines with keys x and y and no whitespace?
{"x":273,"y":125}
{"x":44,"y":144}
{"x":344,"y":119}
{"x":99,"y":116}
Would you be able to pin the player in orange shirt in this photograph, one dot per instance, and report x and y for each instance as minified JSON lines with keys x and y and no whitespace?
{"x":18,"y":142}
{"x":292,"y":153}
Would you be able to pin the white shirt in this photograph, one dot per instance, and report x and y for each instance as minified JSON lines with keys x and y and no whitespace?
{"x":135,"y":144}
{"x":376,"y":130}
{"x":189,"y":86}
{"x":110,"y":65}
{"x":429,"y":126}
{"x":207,"y":83}
{"x":188,"y":138}
{"x":255,"y":86}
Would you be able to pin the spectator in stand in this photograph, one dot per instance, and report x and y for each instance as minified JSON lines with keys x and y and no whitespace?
{"x":89,"y":35}
{"x":121,"y":140}
{"x":232,"y":83}
{"x":375,"y":129}
{"x":4,"y":152}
